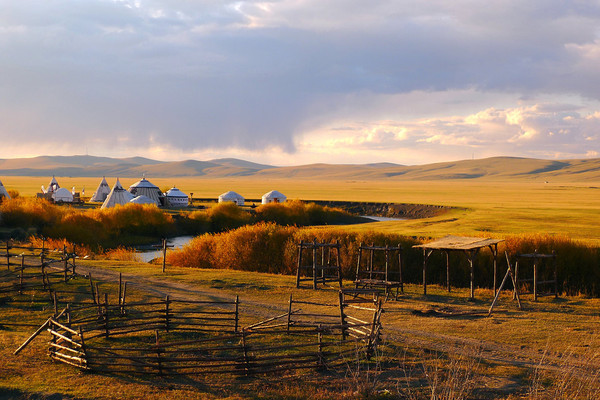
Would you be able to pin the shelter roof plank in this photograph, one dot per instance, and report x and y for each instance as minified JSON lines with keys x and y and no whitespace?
{"x":452,"y":242}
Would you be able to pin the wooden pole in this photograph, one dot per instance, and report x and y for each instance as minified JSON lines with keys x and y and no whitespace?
{"x":158,"y":358}
{"x":535,"y":275}
{"x":495,"y":254}
{"x":167,"y":301}
{"x":21,"y":274}
{"x":400,"y":270}
{"x":299,"y":264}
{"x":92,"y":289}
{"x":237,"y":312}
{"x":66,"y":261}
{"x":289,"y":316}
{"x":7,"y":255}
{"x":555,"y":265}
{"x":320,"y":362}
{"x":314,"y":263}
{"x":339,"y":263}
{"x":472,"y":255}
{"x":447,"y":269}
{"x":164,"y":249}
{"x":123,"y":299}
{"x":39,"y":330}
{"x":106,"y":327}
{"x":358,"y":264}
{"x":342,"y":315}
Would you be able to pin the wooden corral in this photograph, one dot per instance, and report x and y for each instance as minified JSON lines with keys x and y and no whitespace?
{"x":168,"y":336}
{"x":382,"y":269}
{"x":467,"y":245}
{"x":322,"y":267}
{"x":542,"y":265}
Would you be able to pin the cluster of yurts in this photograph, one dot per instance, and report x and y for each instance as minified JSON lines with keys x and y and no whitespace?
{"x":141,"y":192}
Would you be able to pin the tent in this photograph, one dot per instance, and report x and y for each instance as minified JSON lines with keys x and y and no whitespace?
{"x":142,"y":200}
{"x":3,"y":191}
{"x":176,"y":198}
{"x":144,"y":187}
{"x":62,"y":195}
{"x":102,"y":191}
{"x":273,"y":197}
{"x":231,"y":197}
{"x":53,"y":186}
{"x":117,"y":196}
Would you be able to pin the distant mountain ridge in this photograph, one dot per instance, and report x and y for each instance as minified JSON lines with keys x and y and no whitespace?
{"x":491,"y":168}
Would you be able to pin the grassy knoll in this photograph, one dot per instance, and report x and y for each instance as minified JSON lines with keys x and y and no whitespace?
{"x":495,"y":208}
{"x":490,"y":358}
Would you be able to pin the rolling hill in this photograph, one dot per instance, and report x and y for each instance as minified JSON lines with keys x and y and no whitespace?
{"x":500,"y":168}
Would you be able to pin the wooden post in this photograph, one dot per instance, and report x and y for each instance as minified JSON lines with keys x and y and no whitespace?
{"x":158,"y":359}
{"x":339,"y":263}
{"x":299,"y":264}
{"x":495,"y":254}
{"x":164,"y":249}
{"x":426,"y":255}
{"x":371,"y":255}
{"x":447,"y":269}
{"x":245,"y":351}
{"x":55,"y":304}
{"x":358,"y":264}
{"x":167,"y":301}
{"x":400,"y":270}
{"x":387,"y":261}
{"x":21,"y":274}
{"x":7,"y":255}
{"x":320,"y":361}
{"x":106,"y":327}
{"x":516,"y":277}
{"x":555,"y":265}
{"x":92,"y":289}
{"x":289,"y":316}
{"x":472,"y":255}
{"x":123,"y":299}
{"x":237,"y":313}
{"x":342,"y":315}
{"x":66,"y":261}
{"x":84,"y":348}
{"x":120,"y":287}
{"x":314,"y":263}
{"x":535,"y":275}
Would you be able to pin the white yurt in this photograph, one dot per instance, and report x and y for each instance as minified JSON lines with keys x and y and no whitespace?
{"x":146,"y":188}
{"x":232,"y":197}
{"x":53,"y":186}
{"x":102,"y":192}
{"x":273,"y":197}
{"x":62,"y":195}
{"x":117,"y":196}
{"x":3,"y":191}
{"x":142,"y":200}
{"x":176,"y":198}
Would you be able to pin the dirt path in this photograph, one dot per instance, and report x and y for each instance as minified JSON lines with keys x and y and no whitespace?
{"x":489,"y":351}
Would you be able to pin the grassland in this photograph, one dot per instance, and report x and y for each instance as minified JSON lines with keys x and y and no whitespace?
{"x":498,"y":357}
{"x":495,"y":208}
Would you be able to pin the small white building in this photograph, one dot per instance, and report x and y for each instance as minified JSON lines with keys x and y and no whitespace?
{"x":273,"y":197}
{"x":232,"y":197}
{"x":176,"y":198}
{"x":62,"y":195}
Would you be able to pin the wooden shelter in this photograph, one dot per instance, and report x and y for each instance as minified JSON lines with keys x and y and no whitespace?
{"x":548,"y":268}
{"x":321,"y":266}
{"x":468,"y":245}
{"x":381,"y":267}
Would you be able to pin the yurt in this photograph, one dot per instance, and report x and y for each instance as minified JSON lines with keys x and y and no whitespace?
{"x":142,"y":200}
{"x":146,"y":188}
{"x":62,"y":195}
{"x":273,"y":197}
{"x":117,"y":196}
{"x":232,"y":197}
{"x":176,"y":198}
{"x":102,"y":192}
{"x":3,"y":192}
{"x":53,"y":185}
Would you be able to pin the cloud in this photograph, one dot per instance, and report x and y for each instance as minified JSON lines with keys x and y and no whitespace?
{"x":201,"y":76}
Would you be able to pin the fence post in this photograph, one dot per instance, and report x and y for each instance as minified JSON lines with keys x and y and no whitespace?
{"x":342,"y":315}
{"x":167,"y":301}
{"x":289,"y":317}
{"x":123,"y":299}
{"x":245,"y":350}
{"x":314,"y":263}
{"x":160,"y":371}
{"x":84,"y":349}
{"x":106,"y":327}
{"x":7,"y":255}
{"x":21,"y":274}
{"x":320,"y":361}
{"x":300,"y":247}
{"x":92,"y":289}
{"x":237,"y":315}
{"x":55,"y":304}
{"x":66,"y":261}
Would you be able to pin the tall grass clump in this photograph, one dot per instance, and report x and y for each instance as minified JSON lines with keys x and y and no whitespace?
{"x":296,"y":212}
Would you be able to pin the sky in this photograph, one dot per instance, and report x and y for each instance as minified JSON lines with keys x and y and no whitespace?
{"x":290,"y":82}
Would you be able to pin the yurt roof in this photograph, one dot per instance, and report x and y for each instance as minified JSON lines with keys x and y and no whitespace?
{"x":142,"y":200}
{"x":3,"y":191}
{"x":143,"y":183}
{"x":102,"y":191}
{"x":231,"y":195}
{"x":273,"y":194}
{"x":117,"y":196}
{"x":62,"y":194}
{"x":174,"y":192}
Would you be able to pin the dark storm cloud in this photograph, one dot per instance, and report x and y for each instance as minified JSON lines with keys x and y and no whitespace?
{"x":193,"y":75}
